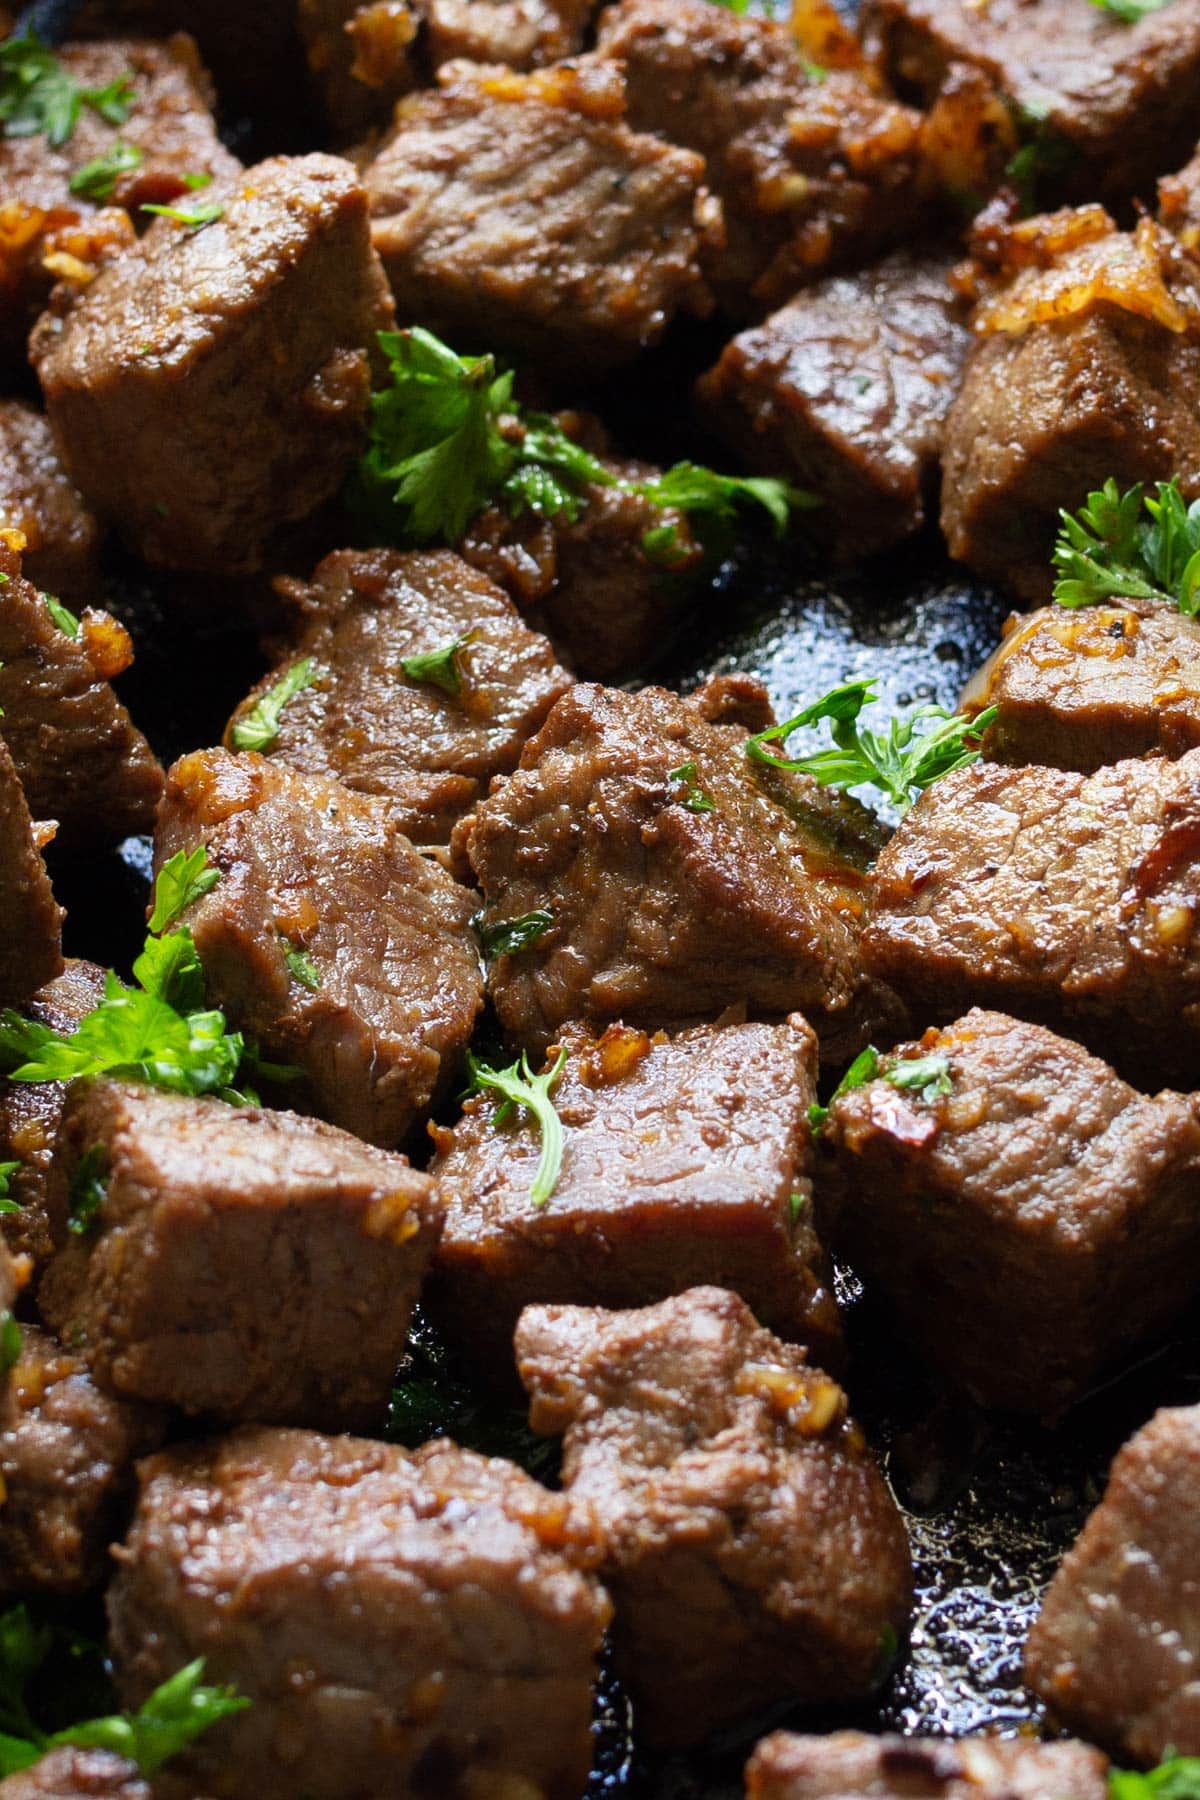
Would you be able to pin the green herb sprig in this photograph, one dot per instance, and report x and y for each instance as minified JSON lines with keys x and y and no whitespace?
{"x":1133,"y":545}
{"x":10,"y":1343}
{"x":440,"y":668}
{"x":193,"y":218}
{"x":38,"y":93}
{"x":929,"y":1077}
{"x":97,"y":180}
{"x":65,"y":620}
{"x":686,"y":790}
{"x":258,"y":728}
{"x":87,"y":1190}
{"x":1130,"y":11}
{"x":902,"y":762}
{"x":1178,"y":1778}
{"x":519,"y":1087}
{"x":507,"y":937}
{"x":7,"y":1203}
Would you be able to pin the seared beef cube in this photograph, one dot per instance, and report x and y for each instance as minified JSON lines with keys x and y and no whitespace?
{"x":1086,"y":365}
{"x":522,"y":212}
{"x":1032,"y":1223}
{"x":681,"y":877}
{"x":30,"y":1112}
{"x":1076,"y":690}
{"x":686,"y":1160}
{"x":1107,"y":103}
{"x":62,"y":539}
{"x":752,"y":1548}
{"x":849,"y":1765}
{"x":362,"y":58}
{"x":169,"y":129}
{"x":81,"y":759}
{"x":1066,"y":898}
{"x":402,"y":1624}
{"x":80,"y":1775}
{"x":428,"y":741}
{"x":242,"y":1264}
{"x":211,"y":384}
{"x":1113,"y":1650}
{"x":845,"y":391}
{"x":329,"y":940}
{"x":66,"y":1468}
{"x":525,"y":34}
{"x":814,"y":171}
{"x":30,"y":920}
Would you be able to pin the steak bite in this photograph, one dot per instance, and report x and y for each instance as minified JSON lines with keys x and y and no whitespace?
{"x":1085,"y":365}
{"x":845,"y":391}
{"x":241,"y":1264}
{"x":329,"y":940}
{"x":30,"y":919}
{"x":686,"y":1160}
{"x":1032,"y":1223}
{"x":1066,"y":898}
{"x":1105,"y":103}
{"x":815,"y":171}
{"x":849,"y":1765}
{"x":753,"y":1550}
{"x":436,"y":1602}
{"x":681,"y":877}
{"x":525,"y":34}
{"x":157,"y":101}
{"x":522,"y":212}
{"x":62,"y":539}
{"x":211,"y":384}
{"x":66,"y":1469}
{"x":1113,"y":1650}
{"x":81,"y":759}
{"x":429,"y":742}
{"x":30,"y":1112}
{"x":1076,"y":690}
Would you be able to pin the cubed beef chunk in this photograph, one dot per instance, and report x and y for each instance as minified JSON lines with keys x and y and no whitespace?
{"x":66,"y":1469}
{"x":242,"y":1264}
{"x":438,"y":1604}
{"x":522,"y":212}
{"x":525,"y":34}
{"x":681,"y":877}
{"x":169,"y":130}
{"x":814,"y":171}
{"x":1065,"y":898}
{"x":30,"y":919}
{"x":845,"y":391}
{"x":430,"y":741}
{"x":329,"y":939}
{"x":30,"y":1112}
{"x":81,"y":759}
{"x":752,"y":1548}
{"x":1113,"y":1651}
{"x":211,"y":384}
{"x":62,"y":539}
{"x":1076,"y":690}
{"x":686,"y":1160}
{"x":1032,"y":1223}
{"x":1105,"y":103}
{"x":1085,"y":365}
{"x":849,"y":1765}
{"x":362,"y":58}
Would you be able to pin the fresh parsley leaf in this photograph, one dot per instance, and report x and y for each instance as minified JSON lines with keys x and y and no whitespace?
{"x":302,"y":966}
{"x":520,"y":1087}
{"x":440,"y":668}
{"x":65,"y":620}
{"x":901,"y":762}
{"x":174,"y":1714}
{"x":1176,"y":1779}
{"x":509,"y":936}
{"x":927,"y":1076}
{"x":195,"y":218}
{"x":10,"y":1351}
{"x":258,"y":728}
{"x":7,"y":1203}
{"x":864,"y":1068}
{"x":797,"y":1207}
{"x":1130,"y":11}
{"x":87,"y":1190}
{"x":689,"y":488}
{"x":38,"y":93}
{"x":686,"y":791}
{"x":193,"y":182}
{"x":1131,"y":545}
{"x":96,"y":180}
{"x":183,"y":878}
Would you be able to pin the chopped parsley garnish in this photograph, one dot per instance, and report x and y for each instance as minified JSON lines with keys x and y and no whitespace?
{"x":685,"y":790}
{"x":864,"y":1068}
{"x":797,"y":1207}
{"x":1044,"y":154}
{"x":10,"y":1356}
{"x":1130,"y":11}
{"x":65,"y":620}
{"x":508,"y":936}
{"x":901,"y":762}
{"x":7,"y":1203}
{"x":87,"y":1189}
{"x":38,"y":93}
{"x":928,"y":1075}
{"x":195,"y":181}
{"x":1176,"y":1779}
{"x":447,"y":439}
{"x":520,"y":1087}
{"x":195,"y":218}
{"x":174,"y":1715}
{"x":97,"y":180}
{"x":258,"y":728}
{"x":183,"y":878}
{"x":440,"y":668}
{"x":302,"y":966}
{"x":1133,"y":546}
